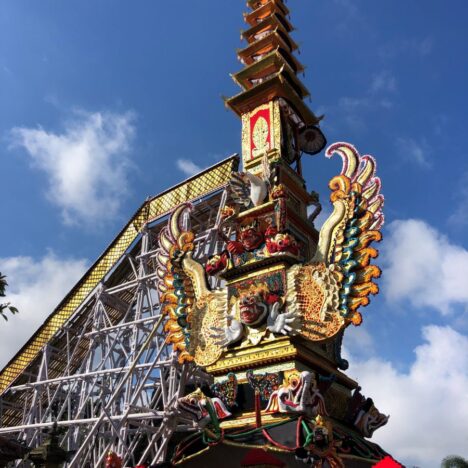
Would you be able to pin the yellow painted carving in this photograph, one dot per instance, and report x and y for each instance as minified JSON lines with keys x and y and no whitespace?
{"x":260,"y":137}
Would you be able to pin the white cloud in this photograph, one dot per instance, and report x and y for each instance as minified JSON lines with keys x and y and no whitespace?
{"x":86,"y":164}
{"x":386,"y":103}
{"x":424,"y":47}
{"x":417,"y":46}
{"x":350,"y":16}
{"x":351,"y":108}
{"x":188,"y":167}
{"x":383,"y":81}
{"x":423,"y":267}
{"x":460,"y":216}
{"x":348,"y":5}
{"x":359,"y":342}
{"x":428,"y":405}
{"x":415,"y":151}
{"x":35,"y":287}
{"x":354,"y":103}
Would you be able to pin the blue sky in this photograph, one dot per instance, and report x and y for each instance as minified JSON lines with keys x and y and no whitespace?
{"x":104,"y":103}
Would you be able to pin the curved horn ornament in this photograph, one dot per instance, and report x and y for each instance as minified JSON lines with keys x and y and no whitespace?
{"x":176,"y":222}
{"x":187,"y":300}
{"x":355,"y":223}
{"x":348,"y":154}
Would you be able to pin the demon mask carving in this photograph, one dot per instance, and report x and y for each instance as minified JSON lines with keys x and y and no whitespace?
{"x":249,"y":238}
{"x":369,"y":419}
{"x":253,"y":304}
{"x":259,"y":312}
{"x":299,"y":395}
{"x":282,"y":244}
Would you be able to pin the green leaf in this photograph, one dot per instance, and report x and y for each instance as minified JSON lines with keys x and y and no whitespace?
{"x":3,"y":285}
{"x":454,"y":461}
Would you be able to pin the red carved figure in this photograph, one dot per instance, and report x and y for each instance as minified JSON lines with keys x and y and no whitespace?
{"x":282,"y":243}
{"x":250,"y":235}
{"x":113,"y":461}
{"x":217,"y":263}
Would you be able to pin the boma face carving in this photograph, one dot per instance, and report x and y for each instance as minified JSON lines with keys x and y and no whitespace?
{"x":253,"y":308}
{"x":294,"y":381}
{"x":283,"y":243}
{"x":191,"y":405}
{"x":250,"y":236}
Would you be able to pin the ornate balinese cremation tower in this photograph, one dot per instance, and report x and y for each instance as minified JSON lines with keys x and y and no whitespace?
{"x":209,"y":332}
{"x":271,"y":333}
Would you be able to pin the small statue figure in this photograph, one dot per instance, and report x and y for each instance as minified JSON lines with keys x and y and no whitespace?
{"x":369,"y":419}
{"x":217,"y":263}
{"x":300,"y":394}
{"x":113,"y":460}
{"x":363,"y":414}
{"x":201,"y":409}
{"x":249,"y":238}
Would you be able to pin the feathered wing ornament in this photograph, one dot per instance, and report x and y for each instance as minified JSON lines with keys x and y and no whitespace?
{"x":330,"y":290}
{"x":355,"y":223}
{"x":248,"y":188}
{"x":240,"y":189}
{"x":192,"y":309}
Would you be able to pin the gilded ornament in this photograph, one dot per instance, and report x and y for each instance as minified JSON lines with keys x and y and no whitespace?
{"x":260,"y":135}
{"x":316,"y":299}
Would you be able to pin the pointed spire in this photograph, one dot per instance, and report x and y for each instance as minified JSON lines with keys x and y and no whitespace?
{"x":275,"y":117}
{"x":270,"y":68}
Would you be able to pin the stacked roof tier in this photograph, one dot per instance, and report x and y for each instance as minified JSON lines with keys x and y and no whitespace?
{"x":270,"y":68}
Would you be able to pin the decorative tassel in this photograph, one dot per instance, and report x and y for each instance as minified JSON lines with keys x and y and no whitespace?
{"x":258,"y":410}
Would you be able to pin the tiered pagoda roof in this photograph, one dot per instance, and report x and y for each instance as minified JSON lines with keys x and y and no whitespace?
{"x":270,"y":68}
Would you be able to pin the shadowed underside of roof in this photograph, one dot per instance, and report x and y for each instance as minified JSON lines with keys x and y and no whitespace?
{"x":200,"y":185}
